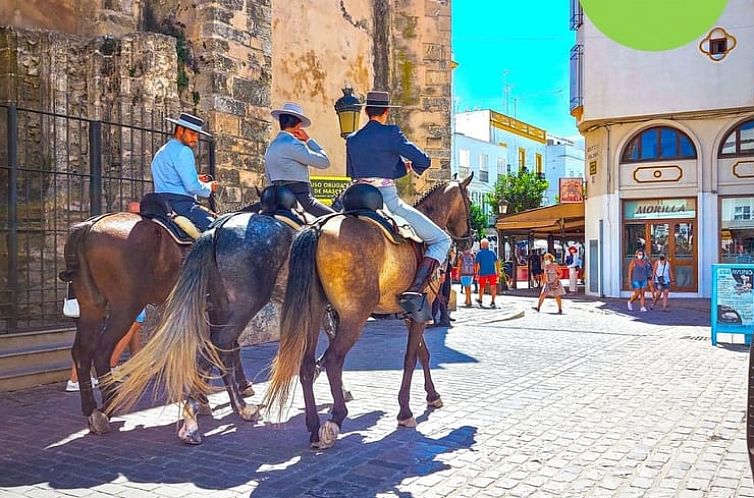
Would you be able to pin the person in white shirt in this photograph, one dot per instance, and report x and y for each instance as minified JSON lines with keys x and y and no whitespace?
{"x":662,"y":276}
{"x":573,"y":261}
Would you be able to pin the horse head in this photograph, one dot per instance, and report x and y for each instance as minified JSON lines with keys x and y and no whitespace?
{"x":458,"y":223}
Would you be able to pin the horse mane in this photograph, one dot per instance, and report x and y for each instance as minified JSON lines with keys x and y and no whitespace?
{"x":429,"y":192}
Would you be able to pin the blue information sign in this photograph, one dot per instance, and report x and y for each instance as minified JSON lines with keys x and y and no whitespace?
{"x":732,"y":306}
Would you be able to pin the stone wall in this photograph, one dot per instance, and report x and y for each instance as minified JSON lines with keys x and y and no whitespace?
{"x":230,"y":61}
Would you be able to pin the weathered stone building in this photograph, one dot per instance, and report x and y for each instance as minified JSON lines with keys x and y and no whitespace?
{"x":232,"y":60}
{"x":136,"y":62}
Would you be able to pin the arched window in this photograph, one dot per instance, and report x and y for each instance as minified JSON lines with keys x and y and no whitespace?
{"x":660,"y":143}
{"x":740,"y":141}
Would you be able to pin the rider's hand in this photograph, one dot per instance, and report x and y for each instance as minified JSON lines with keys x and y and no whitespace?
{"x":301,"y":134}
{"x":214,"y":186}
{"x":409,"y":165}
{"x":205,"y":178}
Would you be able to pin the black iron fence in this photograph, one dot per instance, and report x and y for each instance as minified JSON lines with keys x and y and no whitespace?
{"x":60,"y":170}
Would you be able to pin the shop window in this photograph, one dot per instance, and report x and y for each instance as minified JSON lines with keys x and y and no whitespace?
{"x":464,"y":158}
{"x":736,"y":230}
{"x":740,"y":141}
{"x":660,"y":143}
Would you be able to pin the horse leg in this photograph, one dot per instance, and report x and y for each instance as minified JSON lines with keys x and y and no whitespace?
{"x":405,"y":416}
{"x":225,"y":338}
{"x":82,"y":352}
{"x":116,"y":326}
{"x":307,"y":375}
{"x":319,"y":367}
{"x":347,"y":334}
{"x":433,"y":397}
{"x":196,"y":404}
{"x":243,"y":384}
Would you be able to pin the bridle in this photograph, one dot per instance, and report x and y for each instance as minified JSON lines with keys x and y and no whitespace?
{"x":469,"y":235}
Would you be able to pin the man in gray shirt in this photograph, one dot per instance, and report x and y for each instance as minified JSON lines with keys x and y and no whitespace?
{"x":290,"y":154}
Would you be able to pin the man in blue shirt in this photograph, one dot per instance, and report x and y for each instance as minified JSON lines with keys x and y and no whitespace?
{"x":174,"y":172}
{"x":487,"y":268}
{"x":378,"y":154}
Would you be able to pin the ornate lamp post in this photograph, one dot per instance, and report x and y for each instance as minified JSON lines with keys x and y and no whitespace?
{"x":348,"y":108}
{"x":502,"y":210}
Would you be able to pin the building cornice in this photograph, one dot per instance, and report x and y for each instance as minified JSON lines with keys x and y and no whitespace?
{"x":588,"y":125}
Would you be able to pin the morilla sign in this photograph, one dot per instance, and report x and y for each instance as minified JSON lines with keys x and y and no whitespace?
{"x":659,"y":209}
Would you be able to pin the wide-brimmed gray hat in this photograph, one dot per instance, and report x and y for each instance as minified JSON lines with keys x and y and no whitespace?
{"x":292,"y":109}
{"x":191,"y":122}
{"x":377,"y":98}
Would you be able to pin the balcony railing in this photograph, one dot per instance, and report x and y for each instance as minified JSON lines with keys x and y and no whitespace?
{"x":577,"y":14}
{"x":484,"y":176}
{"x":577,"y":76}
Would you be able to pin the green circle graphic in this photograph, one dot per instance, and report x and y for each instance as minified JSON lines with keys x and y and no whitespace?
{"x":653,"y":25}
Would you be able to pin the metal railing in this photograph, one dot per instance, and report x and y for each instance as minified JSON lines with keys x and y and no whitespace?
{"x":577,"y":15}
{"x":60,"y":170}
{"x":577,"y":77}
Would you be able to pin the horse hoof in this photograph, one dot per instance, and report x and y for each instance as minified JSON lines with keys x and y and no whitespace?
{"x":249,"y":413}
{"x":189,"y":437}
{"x":204,"y":409}
{"x":347,"y":396}
{"x":247,"y":391}
{"x":409,"y":423}
{"x":99,"y":423}
{"x":435,"y":404}
{"x":328,"y":434}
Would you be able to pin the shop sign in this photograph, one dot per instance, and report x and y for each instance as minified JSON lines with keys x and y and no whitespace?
{"x":732,"y":299}
{"x":660,"y":209}
{"x":326,"y":188}
{"x":571,"y":190}
{"x":592,"y":168}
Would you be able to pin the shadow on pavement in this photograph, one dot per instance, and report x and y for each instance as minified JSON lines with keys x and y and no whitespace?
{"x":274,"y":456}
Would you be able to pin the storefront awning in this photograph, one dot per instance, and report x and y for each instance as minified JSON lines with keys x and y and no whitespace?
{"x":560,"y":219}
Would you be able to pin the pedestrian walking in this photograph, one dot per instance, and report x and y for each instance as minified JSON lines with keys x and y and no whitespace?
{"x":552,"y":286}
{"x":662,"y":276}
{"x":486,"y":267}
{"x":466,"y":262}
{"x":639,"y":271}
{"x":573,"y":262}
{"x":535,"y":268}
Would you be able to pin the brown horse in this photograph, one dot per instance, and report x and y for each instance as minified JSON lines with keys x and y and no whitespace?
{"x":117,"y":264}
{"x":349,"y":264}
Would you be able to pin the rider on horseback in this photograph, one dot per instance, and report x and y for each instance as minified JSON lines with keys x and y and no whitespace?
{"x":289,"y":155}
{"x":174,"y":172}
{"x":378,"y":154}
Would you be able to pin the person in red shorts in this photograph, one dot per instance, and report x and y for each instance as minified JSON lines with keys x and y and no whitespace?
{"x":487,"y":267}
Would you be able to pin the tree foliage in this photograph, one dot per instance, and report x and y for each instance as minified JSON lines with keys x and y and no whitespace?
{"x":523,"y":191}
{"x":478,"y":219}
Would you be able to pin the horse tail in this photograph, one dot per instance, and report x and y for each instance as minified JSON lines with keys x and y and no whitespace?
{"x":76,"y":266}
{"x":170,"y":356}
{"x":304,"y":303}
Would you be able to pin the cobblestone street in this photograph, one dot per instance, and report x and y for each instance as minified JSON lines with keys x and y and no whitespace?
{"x":597,"y":402}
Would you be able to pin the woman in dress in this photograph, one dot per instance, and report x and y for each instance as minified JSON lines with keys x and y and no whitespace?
{"x":552,"y":286}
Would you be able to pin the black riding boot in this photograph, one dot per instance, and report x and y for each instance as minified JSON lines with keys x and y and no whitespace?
{"x":414,"y":301}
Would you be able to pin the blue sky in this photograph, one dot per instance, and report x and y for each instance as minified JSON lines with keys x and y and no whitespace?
{"x":529,"y":40}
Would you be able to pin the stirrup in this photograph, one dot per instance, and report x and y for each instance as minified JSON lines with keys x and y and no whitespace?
{"x":416,"y":305}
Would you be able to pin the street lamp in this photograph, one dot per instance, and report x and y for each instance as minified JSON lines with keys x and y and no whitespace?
{"x":502,"y":207}
{"x":348,"y":109}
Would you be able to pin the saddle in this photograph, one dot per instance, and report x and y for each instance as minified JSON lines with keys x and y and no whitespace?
{"x":364,"y":202}
{"x":158,"y":210}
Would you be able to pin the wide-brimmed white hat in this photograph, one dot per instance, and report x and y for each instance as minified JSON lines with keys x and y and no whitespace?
{"x":292,"y":109}
{"x":191,"y":122}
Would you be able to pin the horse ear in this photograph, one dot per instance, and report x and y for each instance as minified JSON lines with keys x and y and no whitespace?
{"x":468,"y":179}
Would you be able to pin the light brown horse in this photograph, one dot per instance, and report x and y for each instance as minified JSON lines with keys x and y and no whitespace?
{"x":350,"y":264}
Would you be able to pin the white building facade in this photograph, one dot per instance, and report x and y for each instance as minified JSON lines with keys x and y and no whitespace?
{"x":486,"y":160}
{"x":524,"y":145}
{"x":669,"y":140}
{"x":564,"y":158}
